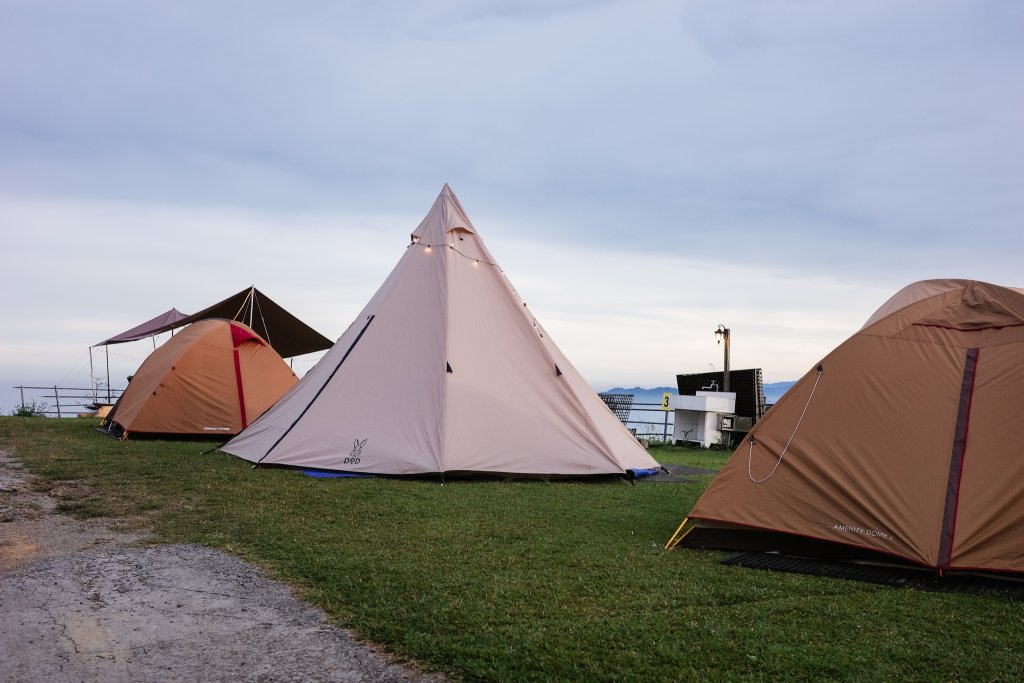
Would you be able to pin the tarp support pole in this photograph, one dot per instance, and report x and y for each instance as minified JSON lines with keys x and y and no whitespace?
{"x":107,"y":350}
{"x":92,"y":376}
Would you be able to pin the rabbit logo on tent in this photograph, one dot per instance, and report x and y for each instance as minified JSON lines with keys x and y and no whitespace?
{"x":357,"y":449}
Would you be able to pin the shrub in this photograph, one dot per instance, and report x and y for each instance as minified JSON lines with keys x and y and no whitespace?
{"x":31,"y":409}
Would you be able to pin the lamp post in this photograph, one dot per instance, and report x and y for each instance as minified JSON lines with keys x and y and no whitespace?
{"x":723,"y":333}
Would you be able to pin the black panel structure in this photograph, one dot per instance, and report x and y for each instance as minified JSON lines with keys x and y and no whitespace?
{"x":746,"y":384}
{"x":620,"y":404}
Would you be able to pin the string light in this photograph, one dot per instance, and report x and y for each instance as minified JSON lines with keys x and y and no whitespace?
{"x":476,"y":261}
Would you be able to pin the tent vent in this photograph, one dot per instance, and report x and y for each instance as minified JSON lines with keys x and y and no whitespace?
{"x":558,"y":373}
{"x":449,"y":366}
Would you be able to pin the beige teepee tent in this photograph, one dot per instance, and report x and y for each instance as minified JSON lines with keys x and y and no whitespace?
{"x":444,"y":371}
{"x":901,"y":444}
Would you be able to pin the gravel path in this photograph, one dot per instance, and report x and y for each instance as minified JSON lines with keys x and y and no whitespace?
{"x":78,"y":603}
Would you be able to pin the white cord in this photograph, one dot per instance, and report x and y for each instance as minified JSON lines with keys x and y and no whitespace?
{"x":750,"y":455}
{"x":266,"y":329}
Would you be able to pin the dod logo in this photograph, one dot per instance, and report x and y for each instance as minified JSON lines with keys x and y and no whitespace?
{"x":357,"y":448}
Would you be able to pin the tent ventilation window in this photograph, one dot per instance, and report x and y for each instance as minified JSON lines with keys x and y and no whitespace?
{"x":449,"y":367}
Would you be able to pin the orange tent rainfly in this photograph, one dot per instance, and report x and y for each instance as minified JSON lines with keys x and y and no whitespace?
{"x":214,"y":377}
{"x":445,"y":370}
{"x":900,"y":445}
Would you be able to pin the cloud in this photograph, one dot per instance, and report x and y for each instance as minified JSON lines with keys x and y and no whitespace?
{"x":617,"y":314}
{"x":191,"y":149}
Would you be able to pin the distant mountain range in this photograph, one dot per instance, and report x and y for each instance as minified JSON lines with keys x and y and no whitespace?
{"x":772,"y":392}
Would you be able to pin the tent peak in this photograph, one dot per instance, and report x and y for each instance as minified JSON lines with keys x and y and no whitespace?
{"x":444,"y":216}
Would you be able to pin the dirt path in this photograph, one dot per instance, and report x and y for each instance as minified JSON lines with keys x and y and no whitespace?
{"x":78,"y":603}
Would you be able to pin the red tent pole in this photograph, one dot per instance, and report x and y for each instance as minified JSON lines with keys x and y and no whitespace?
{"x":241,"y":394}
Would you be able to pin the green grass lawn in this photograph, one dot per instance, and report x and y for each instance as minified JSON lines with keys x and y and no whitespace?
{"x":523,"y":581}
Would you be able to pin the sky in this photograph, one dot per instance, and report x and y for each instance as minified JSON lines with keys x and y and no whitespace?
{"x":643,"y":171}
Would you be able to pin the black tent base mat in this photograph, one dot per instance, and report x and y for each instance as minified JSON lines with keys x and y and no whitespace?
{"x":906,"y":577}
{"x":115,"y":431}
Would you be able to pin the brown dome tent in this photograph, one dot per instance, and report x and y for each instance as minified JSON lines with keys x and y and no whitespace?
{"x":900,"y":445}
{"x":214,"y":377}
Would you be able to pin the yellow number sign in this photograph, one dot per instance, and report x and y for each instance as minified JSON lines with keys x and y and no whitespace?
{"x":665,"y":399}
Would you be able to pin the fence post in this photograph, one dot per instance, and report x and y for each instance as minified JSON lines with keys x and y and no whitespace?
{"x":22,"y":391}
{"x":664,"y":436}
{"x":56,"y":397}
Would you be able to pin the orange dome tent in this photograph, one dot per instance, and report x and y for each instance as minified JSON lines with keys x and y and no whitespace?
{"x":214,"y":377}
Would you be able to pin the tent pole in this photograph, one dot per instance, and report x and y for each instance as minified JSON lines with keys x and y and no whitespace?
{"x":107,"y":350}
{"x":673,"y":541}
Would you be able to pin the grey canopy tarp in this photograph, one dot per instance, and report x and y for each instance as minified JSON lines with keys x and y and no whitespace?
{"x":147,"y":329}
{"x":285,"y":333}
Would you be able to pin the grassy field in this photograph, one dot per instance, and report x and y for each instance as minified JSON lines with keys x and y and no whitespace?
{"x":527,"y":580}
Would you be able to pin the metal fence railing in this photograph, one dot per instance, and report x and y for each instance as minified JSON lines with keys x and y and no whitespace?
{"x":650,"y":428}
{"x":59,"y":401}
{"x":65,"y":401}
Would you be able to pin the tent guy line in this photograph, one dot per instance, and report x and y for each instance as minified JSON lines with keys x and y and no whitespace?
{"x":752,"y":441}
